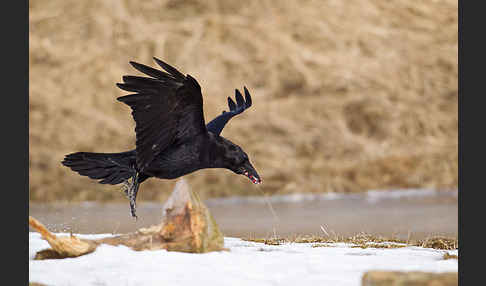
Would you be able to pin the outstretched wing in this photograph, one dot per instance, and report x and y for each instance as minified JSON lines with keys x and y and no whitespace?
{"x":217,"y":124}
{"x":167,"y":108}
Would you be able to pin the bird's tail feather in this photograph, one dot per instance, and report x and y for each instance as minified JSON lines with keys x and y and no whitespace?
{"x":110,"y":168}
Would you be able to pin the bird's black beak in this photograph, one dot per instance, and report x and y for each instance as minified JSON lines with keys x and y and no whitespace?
{"x":251,"y":173}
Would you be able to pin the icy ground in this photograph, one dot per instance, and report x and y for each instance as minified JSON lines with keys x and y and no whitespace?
{"x":247,"y":263}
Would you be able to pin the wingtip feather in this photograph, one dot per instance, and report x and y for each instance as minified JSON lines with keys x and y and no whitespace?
{"x":239,"y":98}
{"x":231,"y":104}
{"x":247,"y":97}
{"x":170,"y":69}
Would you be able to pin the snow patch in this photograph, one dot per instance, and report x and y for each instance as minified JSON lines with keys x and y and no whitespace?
{"x":247,"y":263}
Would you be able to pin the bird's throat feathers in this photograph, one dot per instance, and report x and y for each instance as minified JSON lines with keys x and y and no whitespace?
{"x":218,"y":151}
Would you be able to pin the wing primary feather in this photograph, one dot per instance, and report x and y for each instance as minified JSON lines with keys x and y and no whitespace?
{"x":149,"y":70}
{"x":128,"y":87}
{"x":133,"y":98}
{"x":239,"y":98}
{"x":193,"y":84}
{"x":145,"y":81}
{"x":173,"y":71}
{"x":247,"y":97}
{"x":231,"y":104}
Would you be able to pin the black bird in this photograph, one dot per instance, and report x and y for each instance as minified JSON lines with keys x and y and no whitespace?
{"x":172,"y":139}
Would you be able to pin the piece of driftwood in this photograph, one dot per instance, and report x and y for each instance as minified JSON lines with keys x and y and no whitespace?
{"x":186,"y":226}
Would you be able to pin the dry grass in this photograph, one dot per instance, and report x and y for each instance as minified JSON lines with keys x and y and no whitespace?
{"x":439,"y":243}
{"x":449,"y":256}
{"x":348,"y":95}
{"x":362,"y":240}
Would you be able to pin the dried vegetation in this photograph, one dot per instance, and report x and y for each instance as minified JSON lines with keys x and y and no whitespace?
{"x":362,"y":240}
{"x":349,"y":95}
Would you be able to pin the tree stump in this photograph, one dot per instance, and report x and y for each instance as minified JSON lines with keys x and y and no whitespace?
{"x":186,"y":226}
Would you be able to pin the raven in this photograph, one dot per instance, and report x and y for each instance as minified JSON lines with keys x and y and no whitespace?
{"x":172,"y":139}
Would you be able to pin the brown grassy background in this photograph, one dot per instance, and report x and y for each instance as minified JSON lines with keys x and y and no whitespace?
{"x":348,"y":95}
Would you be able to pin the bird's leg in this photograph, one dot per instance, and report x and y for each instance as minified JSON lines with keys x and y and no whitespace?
{"x":130,"y":187}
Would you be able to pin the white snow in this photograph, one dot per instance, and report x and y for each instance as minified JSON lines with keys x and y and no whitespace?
{"x":247,"y":263}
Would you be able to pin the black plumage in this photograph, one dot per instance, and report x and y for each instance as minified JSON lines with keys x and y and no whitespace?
{"x":172,"y":138}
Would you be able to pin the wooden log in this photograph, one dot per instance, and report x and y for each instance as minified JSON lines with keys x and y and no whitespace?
{"x":186,"y":225}
{"x":413,"y":278}
{"x":62,"y":247}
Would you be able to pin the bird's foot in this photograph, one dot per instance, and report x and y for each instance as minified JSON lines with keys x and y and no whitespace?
{"x":126,"y":187}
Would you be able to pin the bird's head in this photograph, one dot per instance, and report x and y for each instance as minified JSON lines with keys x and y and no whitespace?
{"x":237,"y":161}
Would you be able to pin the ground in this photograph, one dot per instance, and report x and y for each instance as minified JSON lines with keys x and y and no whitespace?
{"x":246,"y":263}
